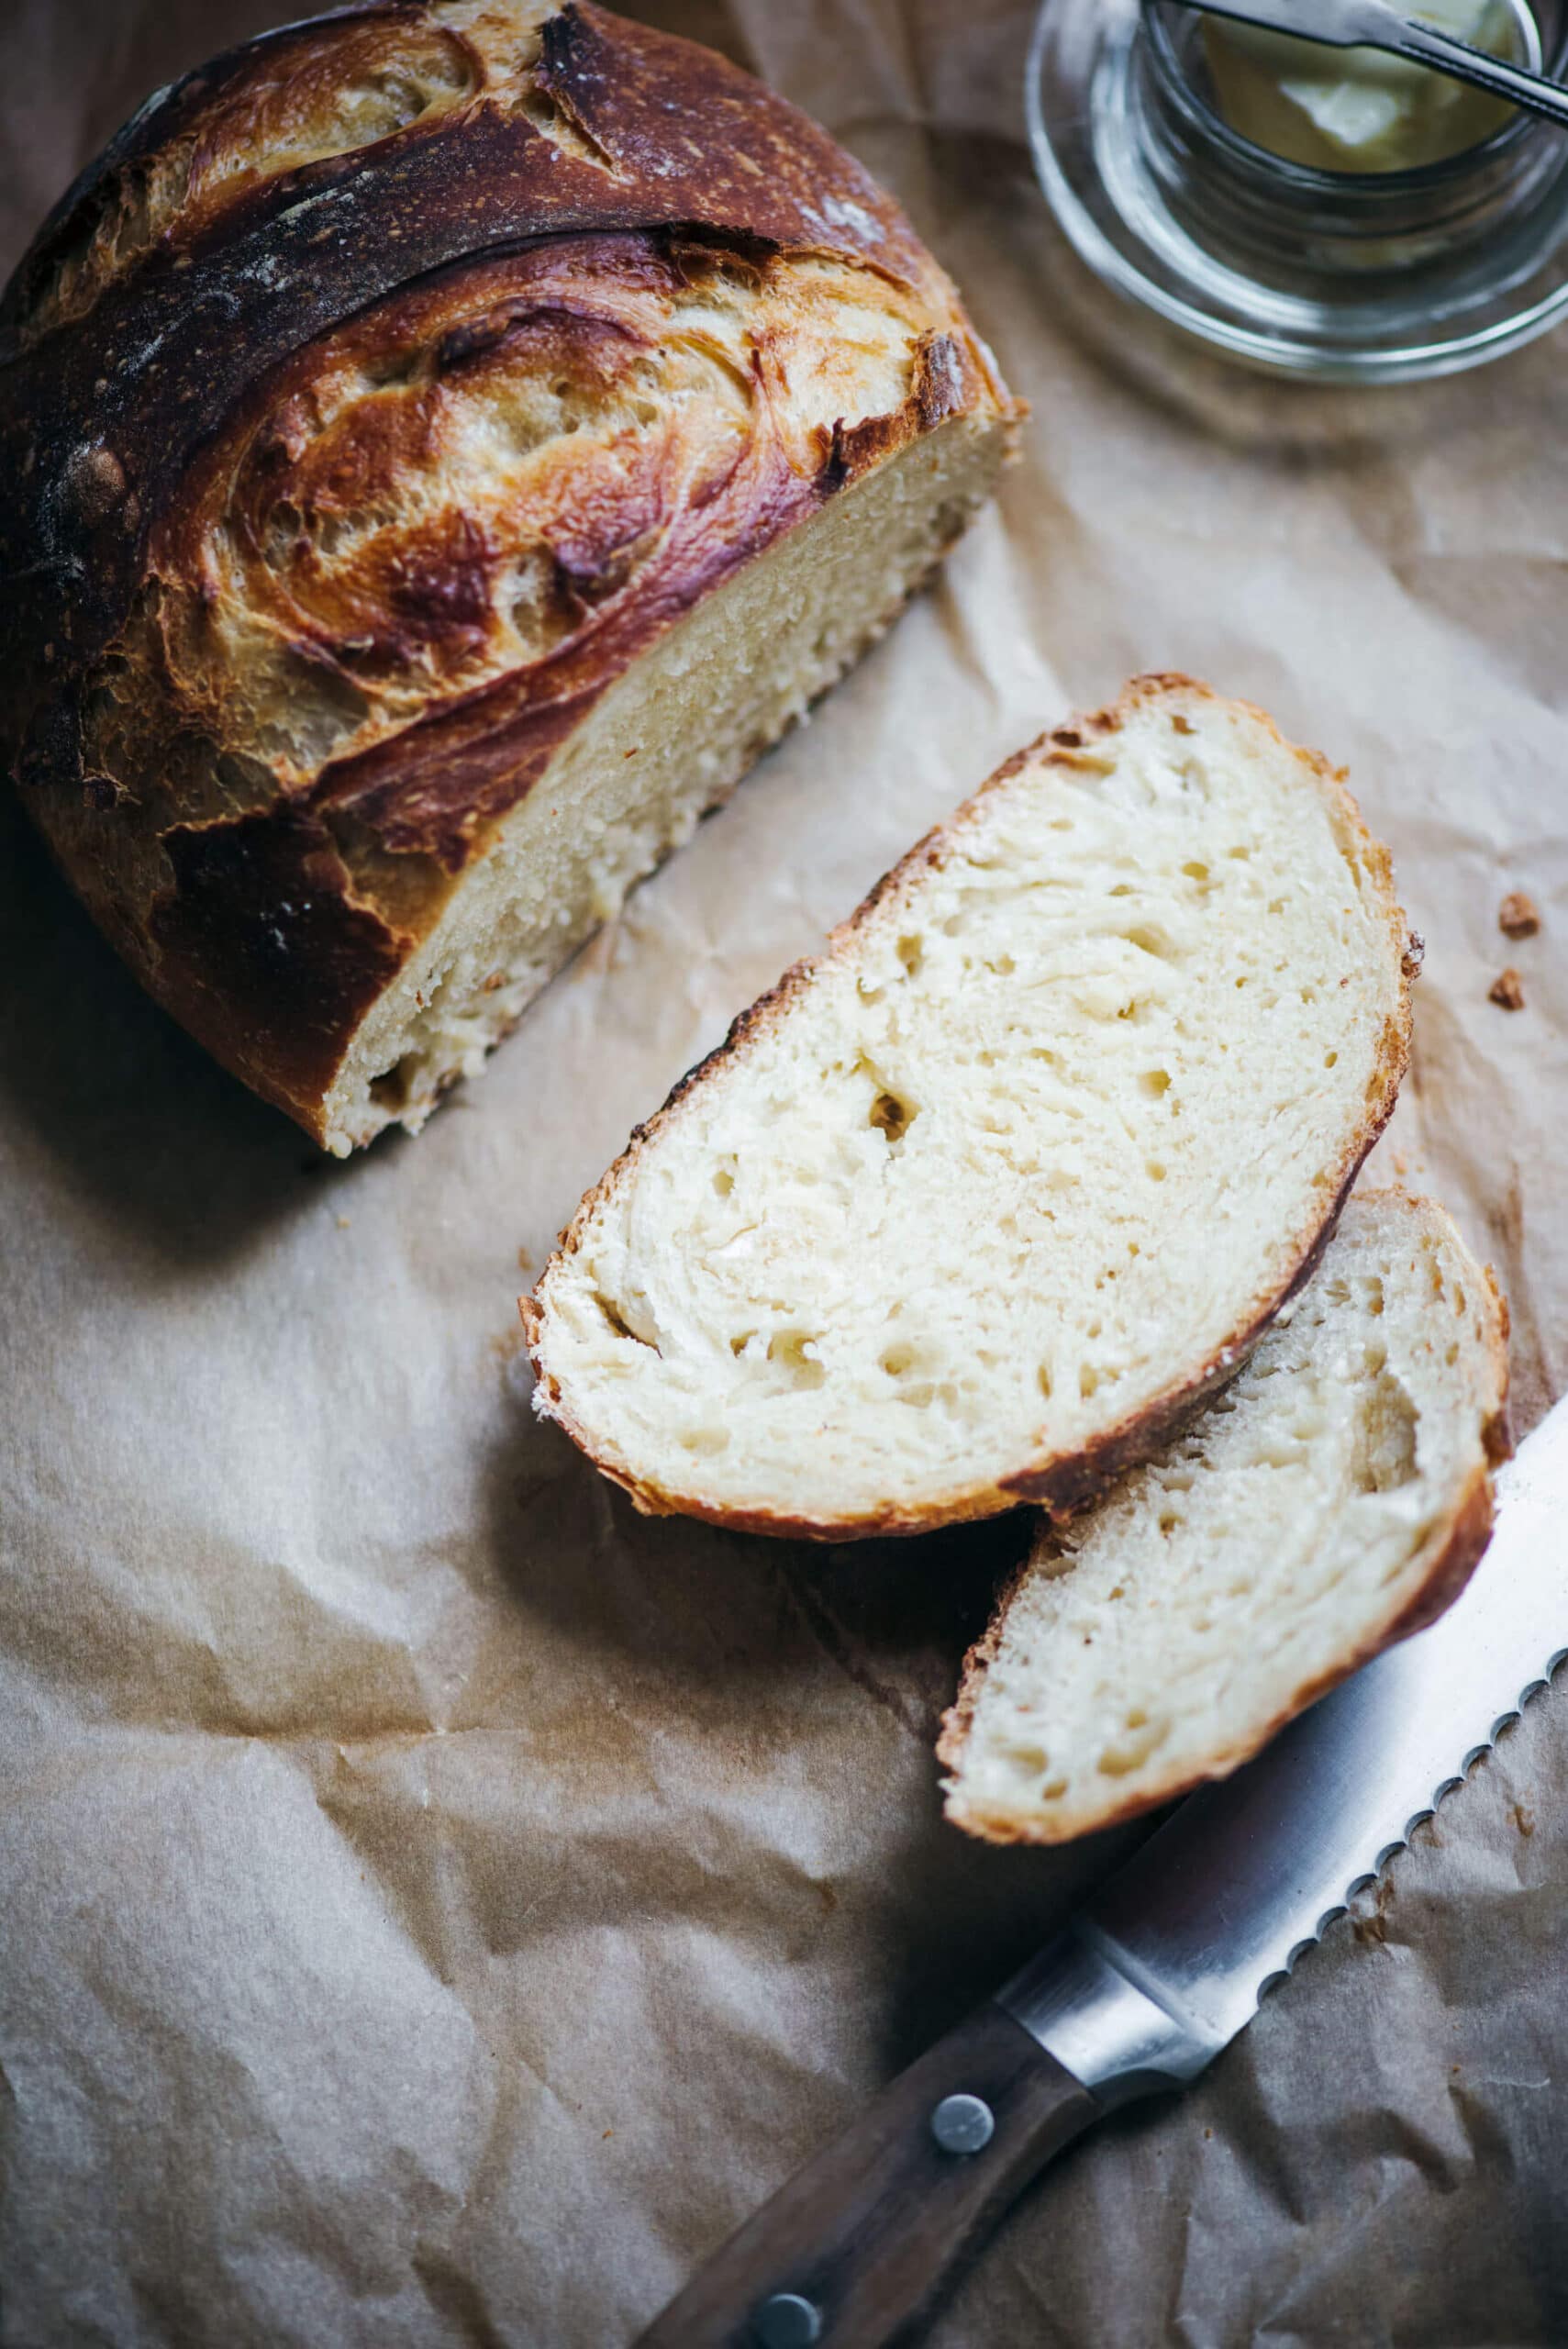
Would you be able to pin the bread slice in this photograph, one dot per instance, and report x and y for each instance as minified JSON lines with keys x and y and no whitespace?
{"x":1331,"y":1501}
{"x":972,"y":1209}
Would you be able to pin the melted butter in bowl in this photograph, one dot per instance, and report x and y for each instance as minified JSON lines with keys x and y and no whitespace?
{"x":1357,"y":109}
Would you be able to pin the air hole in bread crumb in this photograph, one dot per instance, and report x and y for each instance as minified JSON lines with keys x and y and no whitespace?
{"x":739,"y":1343}
{"x":620,"y":1323}
{"x":794,"y":1352}
{"x":723,"y":1181}
{"x":1154,"y":1170}
{"x":1122,"y":889}
{"x":1196,"y":870}
{"x":1169,"y":1522}
{"x":1155,"y":1081}
{"x":392,"y":1089}
{"x":705,"y":1441}
{"x":1088,"y":1380}
{"x":1240,"y":855}
{"x":896,"y":1360}
{"x":1132,"y":1751}
{"x":1384,"y":1453}
{"x":912,"y":954}
{"x":1043,"y":1376}
{"x":1150,"y":941}
{"x":1330,"y":1058}
{"x":892,"y":1117}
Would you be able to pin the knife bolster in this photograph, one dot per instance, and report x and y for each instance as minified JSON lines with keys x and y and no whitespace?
{"x":1079,"y":1999}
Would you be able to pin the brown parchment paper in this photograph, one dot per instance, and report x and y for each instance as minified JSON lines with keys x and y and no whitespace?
{"x":438,"y":1906}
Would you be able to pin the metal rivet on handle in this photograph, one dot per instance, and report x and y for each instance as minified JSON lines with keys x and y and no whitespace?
{"x":962,"y":2124}
{"x":786,"y":2321}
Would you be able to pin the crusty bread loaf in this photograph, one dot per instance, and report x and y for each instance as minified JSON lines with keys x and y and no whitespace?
{"x":1331,"y":1500}
{"x":973,"y":1208}
{"x":441,"y":446}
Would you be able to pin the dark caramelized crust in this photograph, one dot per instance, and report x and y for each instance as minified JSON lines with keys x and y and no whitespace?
{"x":383,"y":390}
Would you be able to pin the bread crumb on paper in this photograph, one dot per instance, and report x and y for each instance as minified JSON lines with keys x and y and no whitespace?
{"x":1507,"y":990}
{"x":1519,"y":915}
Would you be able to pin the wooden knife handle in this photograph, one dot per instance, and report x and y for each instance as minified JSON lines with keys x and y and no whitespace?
{"x":865,"y":2234}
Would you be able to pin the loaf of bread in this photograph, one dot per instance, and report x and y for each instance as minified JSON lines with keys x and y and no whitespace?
{"x":972,"y":1209}
{"x":1331,"y":1501}
{"x":442,"y":445}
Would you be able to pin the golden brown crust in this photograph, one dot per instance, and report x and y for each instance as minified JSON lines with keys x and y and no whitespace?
{"x":1063,"y":1484}
{"x":282,"y":650}
{"x":1453,"y":1558}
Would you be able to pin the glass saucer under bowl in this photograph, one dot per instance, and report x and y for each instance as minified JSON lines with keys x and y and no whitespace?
{"x":1345,"y":276}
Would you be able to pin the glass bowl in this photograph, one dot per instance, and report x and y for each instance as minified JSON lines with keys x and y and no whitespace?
{"x":1344,"y":276}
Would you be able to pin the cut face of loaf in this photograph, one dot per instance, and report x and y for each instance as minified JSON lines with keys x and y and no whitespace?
{"x":972,"y":1209}
{"x":579,"y":412}
{"x":1334,"y":1498}
{"x":669,"y":740}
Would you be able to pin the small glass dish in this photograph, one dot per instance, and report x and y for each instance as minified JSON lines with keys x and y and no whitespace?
{"x":1344,"y":276}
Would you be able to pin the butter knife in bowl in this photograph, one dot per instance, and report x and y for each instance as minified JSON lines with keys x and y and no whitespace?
{"x":1374,"y":24}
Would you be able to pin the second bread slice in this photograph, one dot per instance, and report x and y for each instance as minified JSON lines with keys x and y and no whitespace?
{"x":974,"y":1207}
{"x":1331,"y":1500}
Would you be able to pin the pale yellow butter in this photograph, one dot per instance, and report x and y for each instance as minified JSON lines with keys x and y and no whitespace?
{"x":1356,"y":109}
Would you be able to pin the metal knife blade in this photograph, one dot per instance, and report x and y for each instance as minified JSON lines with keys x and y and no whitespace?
{"x":1168,"y":1962}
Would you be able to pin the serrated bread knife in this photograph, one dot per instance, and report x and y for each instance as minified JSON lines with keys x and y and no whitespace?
{"x":1157,"y":1973}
